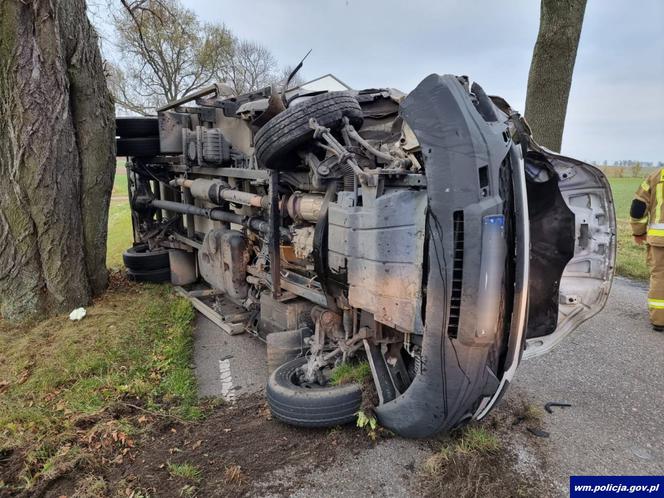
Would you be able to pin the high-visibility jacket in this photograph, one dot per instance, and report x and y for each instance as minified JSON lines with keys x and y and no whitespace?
{"x":651,"y":216}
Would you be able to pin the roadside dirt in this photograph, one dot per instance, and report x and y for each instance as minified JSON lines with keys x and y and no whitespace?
{"x":238,"y":450}
{"x":235,"y":447}
{"x":504,"y":459}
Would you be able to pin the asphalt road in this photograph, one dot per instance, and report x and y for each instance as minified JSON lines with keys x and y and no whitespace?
{"x":611,"y":370}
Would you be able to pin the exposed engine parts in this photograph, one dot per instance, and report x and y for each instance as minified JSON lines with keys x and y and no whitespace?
{"x":218,"y":192}
{"x":206,"y":145}
{"x":304,"y":207}
{"x":348,"y":227}
{"x":322,"y":246}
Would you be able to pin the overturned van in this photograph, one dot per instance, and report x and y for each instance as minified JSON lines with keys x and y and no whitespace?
{"x":426,"y":234}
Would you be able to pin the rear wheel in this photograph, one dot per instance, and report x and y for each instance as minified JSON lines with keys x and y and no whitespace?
{"x":308,"y":405}
{"x":140,"y":258}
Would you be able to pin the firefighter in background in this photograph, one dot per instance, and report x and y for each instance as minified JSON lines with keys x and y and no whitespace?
{"x":647,"y":220}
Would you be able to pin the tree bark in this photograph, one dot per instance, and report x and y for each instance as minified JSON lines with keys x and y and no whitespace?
{"x":56,"y":158}
{"x":551,"y":68}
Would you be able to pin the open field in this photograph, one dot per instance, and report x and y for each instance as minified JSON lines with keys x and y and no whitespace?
{"x":631,"y":258}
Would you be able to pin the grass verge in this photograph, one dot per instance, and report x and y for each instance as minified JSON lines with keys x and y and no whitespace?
{"x":474,"y":461}
{"x":77,"y":392}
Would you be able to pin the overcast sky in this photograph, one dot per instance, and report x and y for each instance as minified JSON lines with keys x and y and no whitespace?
{"x":616,"y":107}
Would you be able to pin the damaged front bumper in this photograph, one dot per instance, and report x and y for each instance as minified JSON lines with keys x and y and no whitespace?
{"x":476,"y":259}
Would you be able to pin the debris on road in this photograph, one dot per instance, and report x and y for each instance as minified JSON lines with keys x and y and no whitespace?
{"x":551,"y":404}
{"x":538,"y":432}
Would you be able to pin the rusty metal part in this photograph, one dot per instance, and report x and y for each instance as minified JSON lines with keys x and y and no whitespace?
{"x":303,"y":242}
{"x":222,"y":262}
{"x":218,"y":192}
{"x":330,"y":323}
{"x":304,"y":207}
{"x":288,"y":254}
{"x":321,"y":132}
{"x":297,"y":284}
{"x":394,"y":162}
{"x":274,"y":239}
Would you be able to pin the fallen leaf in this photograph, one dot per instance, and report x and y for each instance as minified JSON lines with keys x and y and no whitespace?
{"x":196,"y":444}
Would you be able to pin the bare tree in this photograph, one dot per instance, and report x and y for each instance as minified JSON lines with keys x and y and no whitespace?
{"x":551,"y":69}
{"x":57,"y":158}
{"x":165,"y":52}
{"x":250,"y":66}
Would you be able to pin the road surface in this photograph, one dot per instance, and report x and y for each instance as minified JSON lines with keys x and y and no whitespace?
{"x":611,"y":370}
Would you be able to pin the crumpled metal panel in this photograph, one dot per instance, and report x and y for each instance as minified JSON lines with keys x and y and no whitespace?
{"x":381,"y":249}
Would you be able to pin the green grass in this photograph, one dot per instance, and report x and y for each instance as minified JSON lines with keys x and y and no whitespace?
{"x":468,"y":444}
{"x":347,"y":373}
{"x":631,"y":258}
{"x":119,"y":233}
{"x":120,"y":188}
{"x":184,"y":470}
{"x":476,"y":439}
{"x":134,"y":347}
{"x":119,"y":224}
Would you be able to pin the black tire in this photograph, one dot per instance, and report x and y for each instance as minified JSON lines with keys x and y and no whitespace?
{"x":133,"y":127}
{"x":140,"y":259}
{"x":137,"y":147}
{"x":159,"y":276}
{"x":309,"y":407}
{"x":276,"y":141}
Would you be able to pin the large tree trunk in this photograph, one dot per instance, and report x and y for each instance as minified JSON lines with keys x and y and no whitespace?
{"x":56,"y":158}
{"x":551,"y":69}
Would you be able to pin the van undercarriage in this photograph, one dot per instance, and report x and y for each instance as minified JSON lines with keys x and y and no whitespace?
{"x":412,"y":232}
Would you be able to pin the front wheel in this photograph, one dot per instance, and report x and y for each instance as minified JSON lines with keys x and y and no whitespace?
{"x":307,"y":405}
